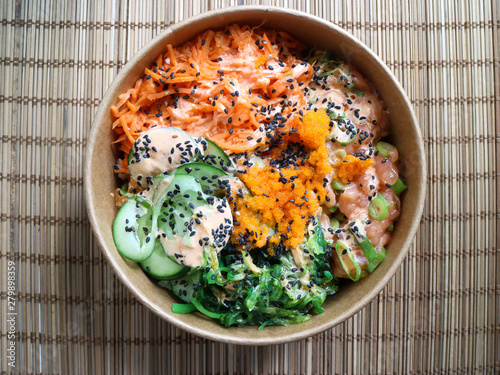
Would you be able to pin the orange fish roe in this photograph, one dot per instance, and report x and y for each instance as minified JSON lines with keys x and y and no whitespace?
{"x":352,"y":167}
{"x":314,"y":129}
{"x":261,"y":234}
{"x":285,"y":198}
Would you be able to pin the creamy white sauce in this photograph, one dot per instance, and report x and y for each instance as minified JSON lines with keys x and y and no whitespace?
{"x":187,"y":249}
{"x":324,"y":222}
{"x":157,"y":157}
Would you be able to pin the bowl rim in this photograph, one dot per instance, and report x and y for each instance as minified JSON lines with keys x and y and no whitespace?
{"x":110,"y":97}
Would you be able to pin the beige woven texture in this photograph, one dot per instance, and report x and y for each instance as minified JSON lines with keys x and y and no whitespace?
{"x":439,"y":314}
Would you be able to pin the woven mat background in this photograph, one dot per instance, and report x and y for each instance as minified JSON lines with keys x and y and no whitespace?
{"x":439,"y":314}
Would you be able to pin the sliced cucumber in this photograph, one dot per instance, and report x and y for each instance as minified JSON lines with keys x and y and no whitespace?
{"x":343,"y":132}
{"x":209,"y":225}
{"x":214,"y":155}
{"x":185,"y":287}
{"x":207,"y":175}
{"x":159,"y":150}
{"x":191,"y":216}
{"x":161,"y":267}
{"x":234,"y":186}
{"x":131,"y":240}
{"x":160,"y":184}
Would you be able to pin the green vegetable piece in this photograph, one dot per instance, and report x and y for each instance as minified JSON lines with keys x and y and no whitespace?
{"x":334,"y":115}
{"x":203,"y":310}
{"x":373,"y":264}
{"x":161,"y":267}
{"x":339,"y":216}
{"x":347,"y":261}
{"x":319,"y":238}
{"x":183,"y":308}
{"x":398,"y":187}
{"x":343,"y":131}
{"x":334,"y":224}
{"x":324,"y":74}
{"x":340,"y":154}
{"x":384,"y":148}
{"x":337,"y":185}
{"x":358,"y":92}
{"x":368,"y":250}
{"x":379,"y":207}
{"x":133,"y":231}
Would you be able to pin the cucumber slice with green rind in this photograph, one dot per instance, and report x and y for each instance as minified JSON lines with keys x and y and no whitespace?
{"x":173,"y":188}
{"x":207,"y":175}
{"x":161,"y":267}
{"x":185,"y":287}
{"x":131,"y":240}
{"x":233,"y":185}
{"x":214,"y":155}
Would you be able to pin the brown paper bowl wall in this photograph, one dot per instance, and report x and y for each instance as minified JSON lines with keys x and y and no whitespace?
{"x":100,"y":181}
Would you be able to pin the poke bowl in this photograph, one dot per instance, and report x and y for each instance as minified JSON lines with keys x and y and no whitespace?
{"x":255,"y":175}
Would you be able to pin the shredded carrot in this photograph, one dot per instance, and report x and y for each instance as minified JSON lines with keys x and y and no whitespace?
{"x":210,"y":86}
{"x":216,"y":86}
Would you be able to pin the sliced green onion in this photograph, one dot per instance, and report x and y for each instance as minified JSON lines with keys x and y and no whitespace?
{"x":339,"y":216}
{"x":371,"y":254}
{"x":333,"y":209}
{"x":340,"y":154}
{"x":337,"y":185}
{"x":359,"y":233}
{"x":378,"y":208}
{"x":358,"y":92}
{"x":390,"y":228}
{"x":334,"y":115}
{"x":334,"y":71}
{"x":183,"y":308}
{"x":369,"y":250}
{"x":357,"y":228}
{"x":384,"y":149}
{"x":204,"y":311}
{"x":334,"y":224}
{"x":347,"y":261}
{"x":324,"y":74}
{"x":373,"y":264}
{"x":398,"y":187}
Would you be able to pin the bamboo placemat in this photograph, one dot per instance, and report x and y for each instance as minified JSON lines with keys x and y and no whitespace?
{"x":71,"y":315}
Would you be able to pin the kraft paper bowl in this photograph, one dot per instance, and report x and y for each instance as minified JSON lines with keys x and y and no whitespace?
{"x":100,"y":181}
